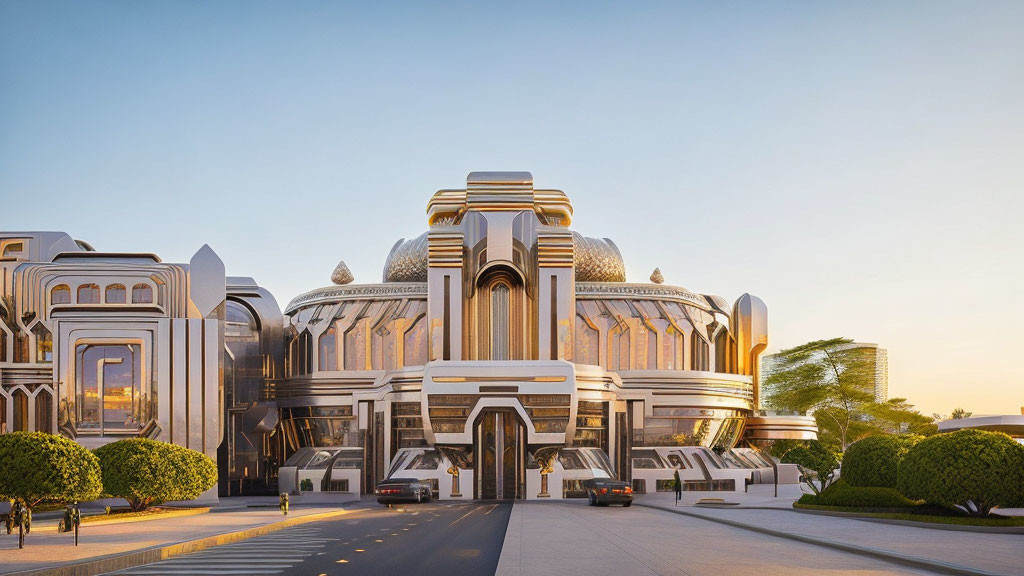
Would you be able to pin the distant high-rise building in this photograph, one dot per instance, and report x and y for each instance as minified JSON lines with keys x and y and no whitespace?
{"x":878,"y":355}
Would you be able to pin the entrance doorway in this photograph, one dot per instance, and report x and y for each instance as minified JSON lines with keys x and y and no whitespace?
{"x":500,"y":462}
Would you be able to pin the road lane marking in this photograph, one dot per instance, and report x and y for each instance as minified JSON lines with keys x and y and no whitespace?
{"x":490,"y":510}
{"x":463,"y":516}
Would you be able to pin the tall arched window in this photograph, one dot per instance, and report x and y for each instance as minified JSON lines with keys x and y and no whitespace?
{"x":88,"y":294}
{"x":500,"y":322}
{"x":328,"y":359}
{"x":142,"y":294}
{"x":499,"y":316}
{"x":60,"y":294}
{"x":44,"y":412}
{"x":20,"y":400}
{"x":115,"y":294}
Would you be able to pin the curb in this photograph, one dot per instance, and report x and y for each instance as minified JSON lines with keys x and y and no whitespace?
{"x":121,"y":561}
{"x":163,"y":516}
{"x":926,"y":525}
{"x":891,"y":557}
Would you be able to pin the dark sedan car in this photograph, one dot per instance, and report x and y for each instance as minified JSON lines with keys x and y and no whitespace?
{"x":403,"y":490}
{"x":603,"y":491}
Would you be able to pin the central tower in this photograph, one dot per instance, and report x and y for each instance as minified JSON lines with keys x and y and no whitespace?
{"x":501,"y":284}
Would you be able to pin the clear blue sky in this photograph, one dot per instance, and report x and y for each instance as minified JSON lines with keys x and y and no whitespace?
{"x":858,"y":165}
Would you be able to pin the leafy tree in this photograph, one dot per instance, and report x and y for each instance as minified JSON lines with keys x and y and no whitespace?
{"x":973,"y":470}
{"x":146,"y":472}
{"x":36,"y":466}
{"x":874,"y":461}
{"x":897,"y":416}
{"x":818,"y":461}
{"x":832,"y":379}
{"x":960,"y":414}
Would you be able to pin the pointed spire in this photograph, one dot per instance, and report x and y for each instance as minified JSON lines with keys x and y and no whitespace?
{"x":656,"y":276}
{"x":342,"y":275}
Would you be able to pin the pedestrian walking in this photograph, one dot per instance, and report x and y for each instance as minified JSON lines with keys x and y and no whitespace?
{"x":677,"y":483}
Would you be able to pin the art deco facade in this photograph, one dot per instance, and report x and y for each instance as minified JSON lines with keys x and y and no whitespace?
{"x":501,"y":356}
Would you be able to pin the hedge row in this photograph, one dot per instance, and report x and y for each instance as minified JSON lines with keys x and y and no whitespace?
{"x":842,"y":494}
{"x":36,"y":466}
{"x":971,"y":470}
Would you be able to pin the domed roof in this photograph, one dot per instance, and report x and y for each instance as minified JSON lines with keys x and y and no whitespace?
{"x":598,"y":260}
{"x":407,"y":261}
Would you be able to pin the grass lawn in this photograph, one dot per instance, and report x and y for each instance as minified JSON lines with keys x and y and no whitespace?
{"x":148,"y":513}
{"x":1002,"y":521}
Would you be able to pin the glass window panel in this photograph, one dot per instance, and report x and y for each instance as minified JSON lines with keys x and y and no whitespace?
{"x":119,"y":403}
{"x":142,"y":294}
{"x":20,"y":401}
{"x":13,"y":249}
{"x":328,"y":358}
{"x":88,"y":294}
{"x":44,"y":412}
{"x":44,"y":344}
{"x":115,"y":294}
{"x":60,"y":294}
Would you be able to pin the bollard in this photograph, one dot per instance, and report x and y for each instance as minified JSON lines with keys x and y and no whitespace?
{"x":18,"y":512}
{"x":283,"y":502}
{"x":71,"y":521}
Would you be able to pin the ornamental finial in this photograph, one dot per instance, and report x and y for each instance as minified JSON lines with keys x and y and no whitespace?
{"x":656,"y":276}
{"x":342,"y":275}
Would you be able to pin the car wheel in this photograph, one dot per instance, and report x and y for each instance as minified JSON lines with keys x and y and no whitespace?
{"x":627,"y":504}
{"x":593,"y":499}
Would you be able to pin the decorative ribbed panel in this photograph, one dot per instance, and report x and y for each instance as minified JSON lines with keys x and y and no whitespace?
{"x":445,"y":250}
{"x":555,"y":250}
{"x":499,"y":322}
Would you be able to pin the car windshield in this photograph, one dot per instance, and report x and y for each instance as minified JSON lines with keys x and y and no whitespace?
{"x":400,"y":481}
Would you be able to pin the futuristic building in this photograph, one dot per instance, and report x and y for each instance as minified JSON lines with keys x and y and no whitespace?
{"x":502,"y":355}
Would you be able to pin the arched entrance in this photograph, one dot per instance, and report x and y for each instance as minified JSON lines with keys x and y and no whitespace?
{"x":499,"y":439}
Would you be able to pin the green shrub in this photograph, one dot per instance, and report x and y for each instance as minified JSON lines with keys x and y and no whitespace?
{"x":818,"y":462}
{"x":972,"y":469}
{"x":36,"y":466}
{"x":811,"y":499}
{"x":841,"y":493}
{"x":875,"y":460}
{"x":146,"y":472}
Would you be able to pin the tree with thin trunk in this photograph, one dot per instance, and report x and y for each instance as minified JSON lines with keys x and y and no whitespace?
{"x":830,"y":378}
{"x":960,"y":414}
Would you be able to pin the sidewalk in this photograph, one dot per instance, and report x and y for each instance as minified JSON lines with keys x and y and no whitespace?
{"x":757,"y":496}
{"x":50,"y":550}
{"x":569,"y":538}
{"x":992,"y":553}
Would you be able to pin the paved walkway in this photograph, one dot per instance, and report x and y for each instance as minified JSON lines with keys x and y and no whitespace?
{"x":49,"y":549}
{"x":757,"y":495}
{"x":995,"y":553}
{"x":570,"y":538}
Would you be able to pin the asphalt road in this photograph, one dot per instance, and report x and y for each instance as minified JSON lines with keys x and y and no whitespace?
{"x":436,"y":538}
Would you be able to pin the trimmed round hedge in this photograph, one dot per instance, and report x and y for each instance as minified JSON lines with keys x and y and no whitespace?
{"x":972,"y":469}
{"x":842,"y":494}
{"x":146,"y":472}
{"x":874,"y":461}
{"x":36,"y":466}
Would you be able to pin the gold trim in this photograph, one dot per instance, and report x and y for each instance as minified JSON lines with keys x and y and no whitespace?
{"x":498,"y":379}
